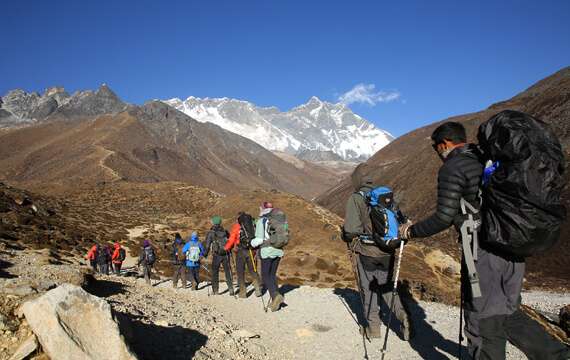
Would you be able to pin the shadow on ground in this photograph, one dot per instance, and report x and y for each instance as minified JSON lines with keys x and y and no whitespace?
{"x":427,"y":342}
{"x":3,"y":273}
{"x":150,"y":341}
{"x":287,"y":288}
{"x":105,"y":288}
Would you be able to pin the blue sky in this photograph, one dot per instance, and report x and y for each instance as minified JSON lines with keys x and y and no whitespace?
{"x":408,"y":63}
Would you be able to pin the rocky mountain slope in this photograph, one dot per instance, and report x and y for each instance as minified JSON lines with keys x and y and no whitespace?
{"x":319,"y":127}
{"x":148,"y":143}
{"x":409,"y":165}
{"x":19,"y":108}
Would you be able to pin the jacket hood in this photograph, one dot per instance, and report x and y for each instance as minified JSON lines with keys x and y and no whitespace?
{"x":194,"y":237}
{"x":362,"y":177}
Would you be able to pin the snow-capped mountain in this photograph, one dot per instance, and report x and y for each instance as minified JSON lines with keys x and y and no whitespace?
{"x":316,"y":126}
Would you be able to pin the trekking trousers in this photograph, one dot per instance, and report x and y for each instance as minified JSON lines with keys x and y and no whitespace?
{"x":117,"y":267}
{"x":104,"y":268}
{"x":376,"y":285}
{"x":193,"y":275}
{"x":225,"y":261}
{"x":93,"y":265}
{"x":269,"y":272}
{"x":147,"y":270}
{"x":244,"y":261}
{"x":495,"y":317}
{"x":179,"y":273}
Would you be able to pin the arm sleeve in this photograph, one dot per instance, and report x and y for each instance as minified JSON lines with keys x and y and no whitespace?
{"x":115,"y":255}
{"x":234,"y":237}
{"x":450,"y":186}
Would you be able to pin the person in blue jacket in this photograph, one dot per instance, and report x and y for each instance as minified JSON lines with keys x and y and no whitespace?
{"x":194,"y":250}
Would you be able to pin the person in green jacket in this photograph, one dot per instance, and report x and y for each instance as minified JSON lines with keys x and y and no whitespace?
{"x":270,"y":257}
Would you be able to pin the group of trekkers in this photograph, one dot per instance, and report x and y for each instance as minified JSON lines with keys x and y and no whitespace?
{"x":503,"y":197}
{"x":247,"y":242}
{"x":104,"y":258}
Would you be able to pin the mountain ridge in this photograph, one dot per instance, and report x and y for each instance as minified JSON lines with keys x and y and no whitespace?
{"x":314,"y":126}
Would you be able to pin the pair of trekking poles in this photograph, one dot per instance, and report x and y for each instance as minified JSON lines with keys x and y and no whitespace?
{"x":392,"y":300}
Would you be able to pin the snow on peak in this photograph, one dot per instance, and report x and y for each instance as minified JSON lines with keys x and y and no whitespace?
{"x":316,"y":125}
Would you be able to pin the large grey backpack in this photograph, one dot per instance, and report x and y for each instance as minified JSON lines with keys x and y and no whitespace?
{"x":277,"y":229}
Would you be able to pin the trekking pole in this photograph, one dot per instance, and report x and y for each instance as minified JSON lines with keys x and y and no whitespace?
{"x":460,"y":317}
{"x":253,"y":261}
{"x":358,"y":286}
{"x":208,"y":271}
{"x":394,"y":294}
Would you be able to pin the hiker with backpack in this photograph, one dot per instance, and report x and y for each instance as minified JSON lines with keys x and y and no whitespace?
{"x":493,"y":273}
{"x":147,"y":258}
{"x":92,"y":257}
{"x":119,"y":255}
{"x":216,"y":240}
{"x":193,"y":250}
{"x":271,"y":235}
{"x":372,"y":252}
{"x":103,"y":258}
{"x":178,"y":262}
{"x":241,"y":234}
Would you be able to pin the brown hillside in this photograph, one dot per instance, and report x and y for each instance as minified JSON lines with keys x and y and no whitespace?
{"x":409,"y":165}
{"x":148,"y":144}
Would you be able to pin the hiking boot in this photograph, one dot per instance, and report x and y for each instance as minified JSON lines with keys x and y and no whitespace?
{"x":258,"y":291}
{"x":232,"y":292}
{"x":242,"y":292}
{"x":406,"y":329}
{"x":276,"y":302}
{"x":371,"y":332}
{"x":194,"y":287}
{"x":215,"y":291}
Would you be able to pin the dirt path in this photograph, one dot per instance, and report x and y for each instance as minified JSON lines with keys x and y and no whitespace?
{"x":321,"y":324}
{"x":316,"y":324}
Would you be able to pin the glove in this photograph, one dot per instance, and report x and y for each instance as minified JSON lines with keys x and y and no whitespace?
{"x":404,"y":231}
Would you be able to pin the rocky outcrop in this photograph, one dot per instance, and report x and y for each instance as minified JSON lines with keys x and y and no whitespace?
{"x":18,"y":107}
{"x":72,"y":324}
{"x":565,"y":319}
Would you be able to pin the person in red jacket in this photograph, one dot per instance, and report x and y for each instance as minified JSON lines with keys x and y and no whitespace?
{"x":92,"y":257}
{"x":118,"y":258}
{"x":239,"y":240}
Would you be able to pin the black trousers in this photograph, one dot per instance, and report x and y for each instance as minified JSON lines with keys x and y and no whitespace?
{"x":193,"y":275}
{"x":244,"y":260}
{"x":104,"y":268}
{"x":223,"y":260}
{"x":523,"y":332}
{"x":117,"y":267}
{"x":269,"y":268}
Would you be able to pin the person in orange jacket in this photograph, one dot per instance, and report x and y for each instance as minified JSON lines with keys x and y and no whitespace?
{"x":118,"y":257}
{"x":92,"y":257}
{"x":240,"y":240}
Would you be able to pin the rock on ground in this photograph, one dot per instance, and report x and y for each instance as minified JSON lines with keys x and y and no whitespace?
{"x":73,"y":324}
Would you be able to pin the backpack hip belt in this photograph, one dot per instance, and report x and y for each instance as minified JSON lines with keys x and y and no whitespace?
{"x":469,"y":241}
{"x":366,"y":239}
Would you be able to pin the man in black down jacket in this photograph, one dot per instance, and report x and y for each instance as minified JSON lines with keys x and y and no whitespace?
{"x":495,"y":317}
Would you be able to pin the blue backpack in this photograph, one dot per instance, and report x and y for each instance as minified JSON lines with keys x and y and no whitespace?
{"x":385,"y":218}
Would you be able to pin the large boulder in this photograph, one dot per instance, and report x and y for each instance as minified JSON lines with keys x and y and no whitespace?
{"x":73,"y":324}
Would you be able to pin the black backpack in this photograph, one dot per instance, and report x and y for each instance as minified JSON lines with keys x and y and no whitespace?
{"x":219,"y":240}
{"x":149,"y":255}
{"x":122,"y":254}
{"x":101,"y":255}
{"x":521,"y":207}
{"x":247,"y":230}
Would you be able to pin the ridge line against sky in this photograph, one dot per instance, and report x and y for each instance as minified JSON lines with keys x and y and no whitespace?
{"x":400,"y":66}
